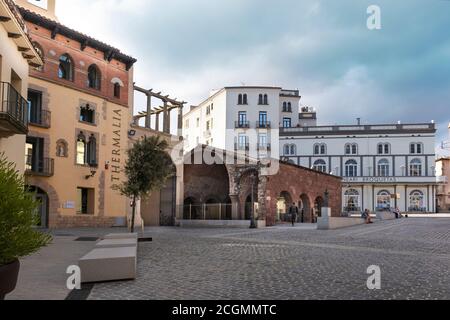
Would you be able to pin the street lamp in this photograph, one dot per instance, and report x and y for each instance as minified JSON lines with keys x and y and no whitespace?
{"x":252,"y":216}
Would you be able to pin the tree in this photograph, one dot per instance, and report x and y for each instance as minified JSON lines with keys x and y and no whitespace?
{"x":147,"y":169}
{"x":18,"y":238}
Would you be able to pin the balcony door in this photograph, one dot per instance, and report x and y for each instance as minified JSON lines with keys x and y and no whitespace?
{"x":34,"y":150}
{"x":35,"y":107}
{"x":263,"y":119}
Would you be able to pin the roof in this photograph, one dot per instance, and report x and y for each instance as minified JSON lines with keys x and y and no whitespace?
{"x":85,"y":40}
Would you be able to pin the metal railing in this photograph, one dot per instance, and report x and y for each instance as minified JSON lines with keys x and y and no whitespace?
{"x":352,"y":209}
{"x":263,"y":124}
{"x":417,"y":209}
{"x":242,"y":124}
{"x":13,"y":105}
{"x":219,"y":211}
{"x":242,"y":146}
{"x":41,"y":167}
{"x":41,"y":118}
{"x":264,"y":147}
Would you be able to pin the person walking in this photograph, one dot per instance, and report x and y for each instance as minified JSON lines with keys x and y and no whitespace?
{"x":293,"y":211}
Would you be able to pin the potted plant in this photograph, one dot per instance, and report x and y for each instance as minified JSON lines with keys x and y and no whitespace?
{"x":18,"y":237}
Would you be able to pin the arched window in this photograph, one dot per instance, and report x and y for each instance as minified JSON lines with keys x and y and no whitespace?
{"x":320,"y":165}
{"x":284,"y":107}
{"x":240,"y":99}
{"x":87,"y":114}
{"x":289,"y":107}
{"x":117,"y":90}
{"x":62,"y":149}
{"x":384,"y":200}
{"x":323,"y":149}
{"x":316,"y":149}
{"x":354,"y":148}
{"x":81,"y":149}
{"x":351,"y":201}
{"x":415,"y":168}
{"x":40,"y":51}
{"x":245,"y":100}
{"x":320,"y":149}
{"x":266,"y":99}
{"x":384,"y":148}
{"x":348,"y":149}
{"x":286,"y":149}
{"x":293,"y":149}
{"x":92,"y":151}
{"x":416,"y":201}
{"x":65,"y":70}
{"x":383,"y":168}
{"x":416,"y":148}
{"x":94,"y":77}
{"x":351,"y":168}
{"x":260,"y":99}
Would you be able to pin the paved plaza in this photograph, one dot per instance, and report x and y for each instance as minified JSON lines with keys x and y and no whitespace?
{"x":274,"y":263}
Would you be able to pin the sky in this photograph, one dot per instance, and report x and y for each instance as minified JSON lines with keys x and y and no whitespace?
{"x":186,"y":48}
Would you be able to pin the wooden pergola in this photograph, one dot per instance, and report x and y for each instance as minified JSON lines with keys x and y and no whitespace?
{"x":169,"y":104}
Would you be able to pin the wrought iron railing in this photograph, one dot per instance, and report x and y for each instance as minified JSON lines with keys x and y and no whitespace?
{"x":13,"y":105}
{"x":40,"y":166}
{"x":242,"y":124}
{"x":41,"y":118}
{"x":263,"y":124}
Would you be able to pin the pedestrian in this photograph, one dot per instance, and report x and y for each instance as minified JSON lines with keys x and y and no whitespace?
{"x":366,"y":216}
{"x":293,"y":211}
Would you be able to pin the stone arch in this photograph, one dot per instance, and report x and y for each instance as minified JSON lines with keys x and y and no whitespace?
{"x":284,"y":202}
{"x":306,"y":209}
{"x":53,"y":200}
{"x":245,"y":189}
{"x":318,"y":204}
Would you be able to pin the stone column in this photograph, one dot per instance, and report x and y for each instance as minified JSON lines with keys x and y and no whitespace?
{"x":234,"y":207}
{"x":148,"y":118}
{"x":180,"y":121}
{"x":166,"y":124}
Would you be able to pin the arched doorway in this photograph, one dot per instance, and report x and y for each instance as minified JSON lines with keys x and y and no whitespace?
{"x":248,"y":182}
{"x":191,"y":209}
{"x":318,"y":204}
{"x":305,"y":210}
{"x":228,"y":209}
{"x":212,"y":209}
{"x":248,"y":207}
{"x":42,"y":211}
{"x":284,"y":202}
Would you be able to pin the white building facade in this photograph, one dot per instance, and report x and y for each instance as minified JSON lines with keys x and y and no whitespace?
{"x":383,"y":166}
{"x":242,"y":119}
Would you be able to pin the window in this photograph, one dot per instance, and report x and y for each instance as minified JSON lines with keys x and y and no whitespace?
{"x":384,"y":200}
{"x":65,"y":70}
{"x":289,"y":109}
{"x":290,"y":149}
{"x":351,"y":149}
{"x":320,"y":165}
{"x":415,"y":168}
{"x":320,"y":149}
{"x":92,"y":151}
{"x":117,"y":90}
{"x":351,"y":168}
{"x":242,"y":119}
{"x":85,"y":201}
{"x":245,"y":100}
{"x":384,"y":148}
{"x":62,"y":149}
{"x":351,"y":201}
{"x":242,"y":142}
{"x":263,"y":119}
{"x":208,"y":125}
{"x":81,"y":149}
{"x":287,"y":123}
{"x":208,"y":110}
{"x":293,"y":149}
{"x":266,"y":99}
{"x":383,"y":168}
{"x":198,"y":122}
{"x":284,"y":107}
{"x":94,"y":77}
{"x":240,"y":100}
{"x":416,"y":148}
{"x":416,"y":201}
{"x":87,"y":114}
{"x":262,"y":140}
{"x":260,"y":99}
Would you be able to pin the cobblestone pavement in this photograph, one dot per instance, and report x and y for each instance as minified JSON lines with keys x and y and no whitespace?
{"x":291,"y":263}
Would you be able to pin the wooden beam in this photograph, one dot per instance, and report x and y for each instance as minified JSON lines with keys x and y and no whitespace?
{"x":13,"y":35}
{"x":4,"y":19}
{"x":55,"y":32}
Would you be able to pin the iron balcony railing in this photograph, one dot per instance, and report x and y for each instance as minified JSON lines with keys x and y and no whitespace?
{"x":13,"y":106}
{"x":352,"y":209}
{"x":242,"y":146}
{"x":41,"y":118}
{"x":242,"y":124}
{"x":263,"y":124}
{"x":41,"y":167}
{"x":264,"y":147}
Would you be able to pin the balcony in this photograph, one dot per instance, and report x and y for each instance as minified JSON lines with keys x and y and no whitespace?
{"x":242,"y":124}
{"x":44,"y":167}
{"x":13,"y":111}
{"x":242,"y":146}
{"x":40,"y":119}
{"x":264,"y":147}
{"x":263,"y":125}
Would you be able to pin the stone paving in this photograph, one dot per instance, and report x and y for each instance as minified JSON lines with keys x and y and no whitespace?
{"x":291,"y":263}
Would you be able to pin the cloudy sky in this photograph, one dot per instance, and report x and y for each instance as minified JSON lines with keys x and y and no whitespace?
{"x":186,"y":48}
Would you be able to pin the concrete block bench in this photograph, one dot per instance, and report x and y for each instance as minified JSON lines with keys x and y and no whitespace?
{"x":331,"y":223}
{"x":109,"y":264}
{"x":117,"y":243}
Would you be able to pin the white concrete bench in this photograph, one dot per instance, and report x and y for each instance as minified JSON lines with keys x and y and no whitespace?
{"x":109,"y":264}
{"x":121,"y":236}
{"x":331,"y":223}
{"x":117,"y":243}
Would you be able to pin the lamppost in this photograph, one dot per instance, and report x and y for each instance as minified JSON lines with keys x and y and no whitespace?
{"x":252,"y":216}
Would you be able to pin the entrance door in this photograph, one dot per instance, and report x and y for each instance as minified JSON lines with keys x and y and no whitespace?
{"x":42,"y":210}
